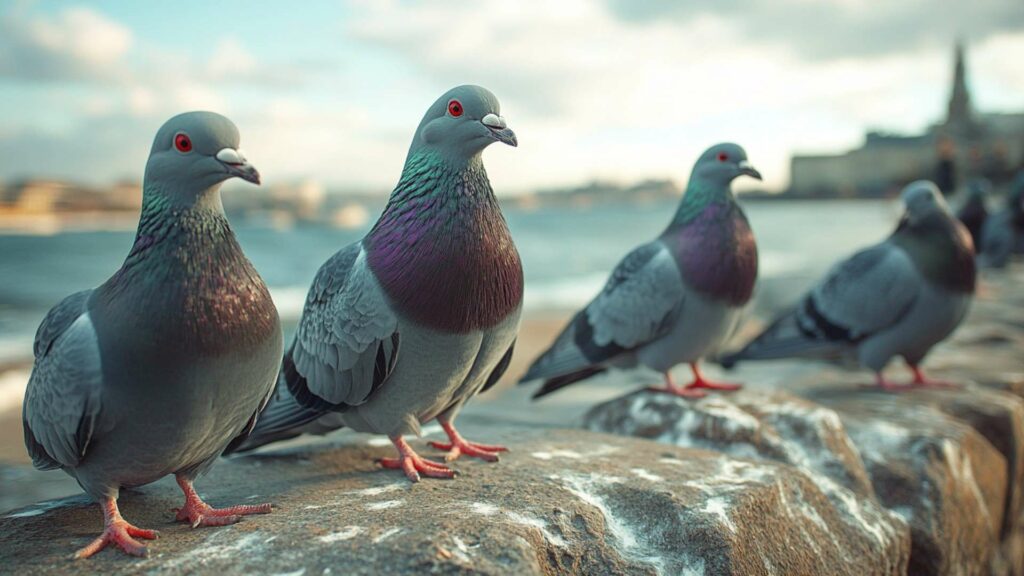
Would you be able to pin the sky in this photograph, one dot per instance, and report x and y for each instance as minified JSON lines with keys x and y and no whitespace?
{"x":617,"y":90}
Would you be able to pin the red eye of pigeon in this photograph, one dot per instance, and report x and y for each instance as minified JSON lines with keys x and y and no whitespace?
{"x":722,"y":156}
{"x":183,"y":143}
{"x":455,"y":108}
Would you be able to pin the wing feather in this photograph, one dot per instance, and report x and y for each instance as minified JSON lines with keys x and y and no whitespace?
{"x":62,"y":400}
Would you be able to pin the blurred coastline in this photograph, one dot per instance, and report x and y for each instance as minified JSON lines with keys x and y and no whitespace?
{"x":41,"y":266}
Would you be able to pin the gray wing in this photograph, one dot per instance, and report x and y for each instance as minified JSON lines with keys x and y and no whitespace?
{"x":346,"y":343}
{"x":638,"y":304}
{"x":62,"y":400}
{"x":859,"y":297}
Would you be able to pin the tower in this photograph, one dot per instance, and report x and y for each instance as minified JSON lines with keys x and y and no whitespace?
{"x":960,"y":121}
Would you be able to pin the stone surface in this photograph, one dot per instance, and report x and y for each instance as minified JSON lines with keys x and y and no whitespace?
{"x":773,"y":426}
{"x":563,"y":501}
{"x":948,"y":462}
{"x":935,"y":471}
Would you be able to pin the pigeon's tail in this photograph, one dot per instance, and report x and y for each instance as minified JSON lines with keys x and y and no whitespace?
{"x":559,"y":382}
{"x":283,"y":417}
{"x":784,"y":339}
{"x":561,"y":358}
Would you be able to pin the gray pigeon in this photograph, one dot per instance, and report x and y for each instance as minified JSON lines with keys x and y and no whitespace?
{"x":675,"y":299}
{"x":973,"y":212}
{"x":1002,"y":234}
{"x":157,"y":370}
{"x":898,"y":298}
{"x":420,"y":315}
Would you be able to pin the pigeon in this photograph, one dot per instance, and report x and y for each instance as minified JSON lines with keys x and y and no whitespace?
{"x":973,"y":213}
{"x":672,"y":300}
{"x":1002,"y":235}
{"x":158,"y":369}
{"x":406,"y":325}
{"x":900,"y":297}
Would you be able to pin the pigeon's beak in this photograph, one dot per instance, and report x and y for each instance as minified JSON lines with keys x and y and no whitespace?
{"x":747,"y":169}
{"x":499,"y":129}
{"x":236,"y":165}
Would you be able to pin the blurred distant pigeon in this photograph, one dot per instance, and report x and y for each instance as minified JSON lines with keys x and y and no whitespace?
{"x":1003,"y":232}
{"x":973,"y":212}
{"x":675,"y":299}
{"x":158,"y":369}
{"x":898,"y":298}
{"x":411,"y":322}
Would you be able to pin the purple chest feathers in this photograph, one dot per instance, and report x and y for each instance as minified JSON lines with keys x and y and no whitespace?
{"x":447,"y":262}
{"x":717,"y":253}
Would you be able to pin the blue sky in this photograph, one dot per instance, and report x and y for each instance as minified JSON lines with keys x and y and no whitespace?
{"x":331,"y":92}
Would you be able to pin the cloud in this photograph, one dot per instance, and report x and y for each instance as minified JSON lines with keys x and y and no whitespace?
{"x":76,"y":44}
{"x":642,"y":88}
{"x":592,"y":92}
{"x":833,"y":29}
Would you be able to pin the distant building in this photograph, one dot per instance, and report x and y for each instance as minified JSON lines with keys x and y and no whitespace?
{"x":598,"y":193}
{"x":966,"y":144}
{"x":34,"y":197}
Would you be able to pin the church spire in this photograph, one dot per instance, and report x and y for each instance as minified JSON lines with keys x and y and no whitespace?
{"x":959,"y":99}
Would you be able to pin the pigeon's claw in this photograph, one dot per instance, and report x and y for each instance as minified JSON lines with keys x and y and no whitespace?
{"x":413,"y":464}
{"x":700,"y":382}
{"x":922,"y":381}
{"x":680,"y":391}
{"x":120,"y":533}
{"x":123,"y":535}
{"x":198,"y":513}
{"x":458,"y":446}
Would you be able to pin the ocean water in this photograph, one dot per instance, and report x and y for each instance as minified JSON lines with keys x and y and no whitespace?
{"x":567,"y":254}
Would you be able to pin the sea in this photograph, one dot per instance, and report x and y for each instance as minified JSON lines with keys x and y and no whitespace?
{"x":567,"y":254}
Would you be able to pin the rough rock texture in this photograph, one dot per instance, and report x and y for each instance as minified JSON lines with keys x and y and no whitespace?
{"x":936,"y":472}
{"x":774,"y":426}
{"x":564,"y":501}
{"x":947,"y":462}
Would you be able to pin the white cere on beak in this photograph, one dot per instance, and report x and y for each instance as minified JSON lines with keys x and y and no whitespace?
{"x":494,"y":121}
{"x":231,"y":156}
{"x":743,"y":164}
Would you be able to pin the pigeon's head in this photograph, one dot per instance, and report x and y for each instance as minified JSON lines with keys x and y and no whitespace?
{"x":722,"y":163}
{"x":195,"y":151}
{"x":922,"y":200}
{"x":979,"y":188}
{"x":461,"y":123}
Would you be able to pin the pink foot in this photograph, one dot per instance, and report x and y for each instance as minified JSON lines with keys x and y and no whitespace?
{"x":118,"y":532}
{"x":413,"y":464}
{"x":457,"y":446}
{"x":712,"y":385}
{"x":671,"y":388}
{"x":922,"y":381}
{"x":699,"y":381}
{"x":198,"y":513}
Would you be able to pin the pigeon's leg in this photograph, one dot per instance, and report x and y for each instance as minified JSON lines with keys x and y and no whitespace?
{"x":199,"y":513}
{"x":458,"y":445}
{"x":681,"y":391}
{"x":413,"y":464}
{"x":119,"y":532}
{"x":699,"y":381}
{"x":888,"y":385}
{"x":922,"y":381}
